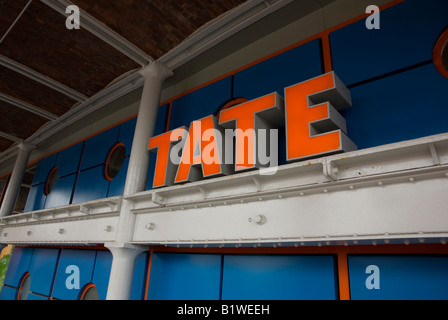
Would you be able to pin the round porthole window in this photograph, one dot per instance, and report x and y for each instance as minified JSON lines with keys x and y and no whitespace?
{"x":24,"y":288}
{"x":440,"y":54}
{"x":115,"y":160}
{"x":51,"y":180}
{"x":90,"y":292}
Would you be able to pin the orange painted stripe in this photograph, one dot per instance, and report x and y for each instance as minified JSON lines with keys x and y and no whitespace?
{"x":343,"y":277}
{"x":151,"y":251}
{"x":326,"y":48}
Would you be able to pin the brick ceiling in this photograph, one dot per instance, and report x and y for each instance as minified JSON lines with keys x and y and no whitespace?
{"x":35,"y":41}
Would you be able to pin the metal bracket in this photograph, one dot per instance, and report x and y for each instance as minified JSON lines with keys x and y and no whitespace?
{"x":434,"y":154}
{"x":330,"y":170}
{"x":156,"y":198}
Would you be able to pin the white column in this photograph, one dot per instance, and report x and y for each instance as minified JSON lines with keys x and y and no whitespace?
{"x":122,"y":271}
{"x":16,"y":179}
{"x":124,"y":254}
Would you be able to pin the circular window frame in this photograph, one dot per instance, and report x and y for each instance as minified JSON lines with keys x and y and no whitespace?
{"x":108,"y":160}
{"x":440,"y":48}
{"x":51,"y":181}
{"x":86,"y":288}
{"x":25,"y":276}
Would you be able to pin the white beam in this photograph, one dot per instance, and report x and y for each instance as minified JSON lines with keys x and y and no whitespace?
{"x":10,"y":137}
{"x":28,"y":107}
{"x":392,"y":192}
{"x":103,"y":33}
{"x":36,"y":76}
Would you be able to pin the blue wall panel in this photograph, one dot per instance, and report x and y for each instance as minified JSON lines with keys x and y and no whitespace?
{"x":97,"y":148}
{"x":91,"y":185}
{"x":139,"y":278}
{"x":116,"y":186}
{"x":68,"y":159}
{"x":273,"y":75}
{"x":184,"y":277}
{"x":8,"y":293}
{"x":407,"y":36}
{"x":404,"y":106}
{"x":101,"y":272}
{"x":279,"y":278}
{"x":200,"y":103}
{"x":400,"y":278}
{"x":62,"y":192}
{"x":43,"y":169}
{"x":85,"y":261}
{"x":162,"y":118}
{"x":18,"y":265}
{"x":42,"y":270}
{"x":36,"y":198}
{"x":126,"y":134}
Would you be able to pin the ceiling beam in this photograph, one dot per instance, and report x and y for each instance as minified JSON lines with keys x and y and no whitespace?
{"x":11,"y":137}
{"x":103,"y":32}
{"x":36,"y":76}
{"x":28,"y":107}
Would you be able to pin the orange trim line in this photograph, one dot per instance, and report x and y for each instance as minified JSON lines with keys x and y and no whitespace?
{"x":343,"y":277}
{"x":326,"y":51}
{"x":151,"y":251}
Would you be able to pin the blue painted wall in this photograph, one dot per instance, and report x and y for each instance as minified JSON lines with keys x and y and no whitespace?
{"x":48,"y":272}
{"x":400,"y":278}
{"x":239,"y":277}
{"x":184,"y":277}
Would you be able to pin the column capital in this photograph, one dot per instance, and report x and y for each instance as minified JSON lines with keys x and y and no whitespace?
{"x":26,"y":146}
{"x":156,"y":70}
{"x":120,"y":245}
